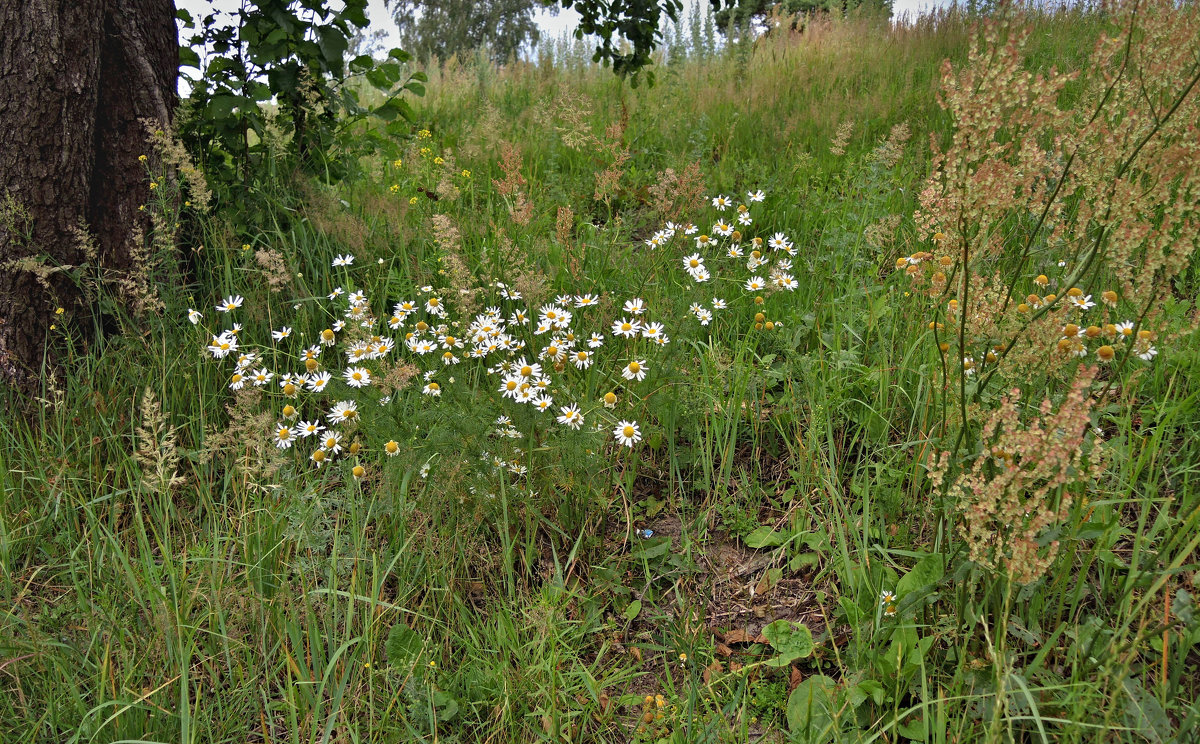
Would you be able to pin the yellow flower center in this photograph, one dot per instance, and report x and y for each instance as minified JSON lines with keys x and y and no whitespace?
{"x":634,"y":367}
{"x":628,"y":432}
{"x":526,"y":371}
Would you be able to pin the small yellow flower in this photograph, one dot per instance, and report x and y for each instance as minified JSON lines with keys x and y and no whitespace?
{"x":424,"y":134}
{"x":433,"y":665}
{"x":425,"y":151}
{"x":397,"y":163}
{"x":141,"y":158}
{"x":466,"y":174}
{"x":412,"y":200}
{"x":141,"y":207}
{"x":245,"y":246}
{"x":438,"y":160}
{"x":683,"y":657}
{"x":153,"y":185}
{"x":395,"y":187}
{"x":60,"y":311}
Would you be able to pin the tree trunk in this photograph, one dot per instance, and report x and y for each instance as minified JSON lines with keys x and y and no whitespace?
{"x":76,"y":78}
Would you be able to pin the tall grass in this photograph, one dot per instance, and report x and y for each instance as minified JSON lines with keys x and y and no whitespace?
{"x":166,"y":577}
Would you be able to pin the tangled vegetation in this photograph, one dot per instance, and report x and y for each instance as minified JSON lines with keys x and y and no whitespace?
{"x":836,"y":388}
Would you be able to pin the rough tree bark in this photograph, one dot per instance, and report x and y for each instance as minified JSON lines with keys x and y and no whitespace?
{"x":76,"y":78}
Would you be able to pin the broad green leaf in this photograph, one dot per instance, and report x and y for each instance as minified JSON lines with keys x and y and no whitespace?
{"x":928,"y":571}
{"x":633,"y":609}
{"x":446,"y":705}
{"x":361,"y":62}
{"x":188,"y":57}
{"x":1145,"y":715}
{"x":810,"y":709}
{"x":403,"y":646}
{"x":868,"y":689}
{"x":764,"y":537}
{"x":790,"y":640}
{"x":655,"y":547}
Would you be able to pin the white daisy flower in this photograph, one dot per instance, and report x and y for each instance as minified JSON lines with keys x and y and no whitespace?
{"x":357,"y":377}
{"x":626,"y":328}
{"x":344,"y":411}
{"x":635,"y":370}
{"x":570,"y":416}
{"x":223,"y":345}
{"x":627,"y":433}
{"x":284,"y":436}
{"x":332,"y":442}
{"x":652,"y":330}
{"x":309,"y":428}
{"x":262,"y":377}
{"x":230,"y":303}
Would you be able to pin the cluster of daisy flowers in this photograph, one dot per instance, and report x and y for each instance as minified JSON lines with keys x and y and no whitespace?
{"x":1078,"y":339}
{"x":552,"y":360}
{"x":727,"y":244}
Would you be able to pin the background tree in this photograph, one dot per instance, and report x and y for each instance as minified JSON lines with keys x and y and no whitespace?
{"x":756,"y":13}
{"x":76,"y":76}
{"x":437,"y":29}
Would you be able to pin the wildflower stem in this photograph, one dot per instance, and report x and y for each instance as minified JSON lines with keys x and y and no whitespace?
{"x":1067,"y":168}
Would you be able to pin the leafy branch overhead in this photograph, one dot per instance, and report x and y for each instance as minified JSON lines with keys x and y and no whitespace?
{"x":283,"y":63}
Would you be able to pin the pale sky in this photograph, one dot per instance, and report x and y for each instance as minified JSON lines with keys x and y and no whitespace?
{"x":550,"y":25}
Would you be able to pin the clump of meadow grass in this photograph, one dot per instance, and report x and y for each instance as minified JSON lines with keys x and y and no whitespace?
{"x":1056,"y":232}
